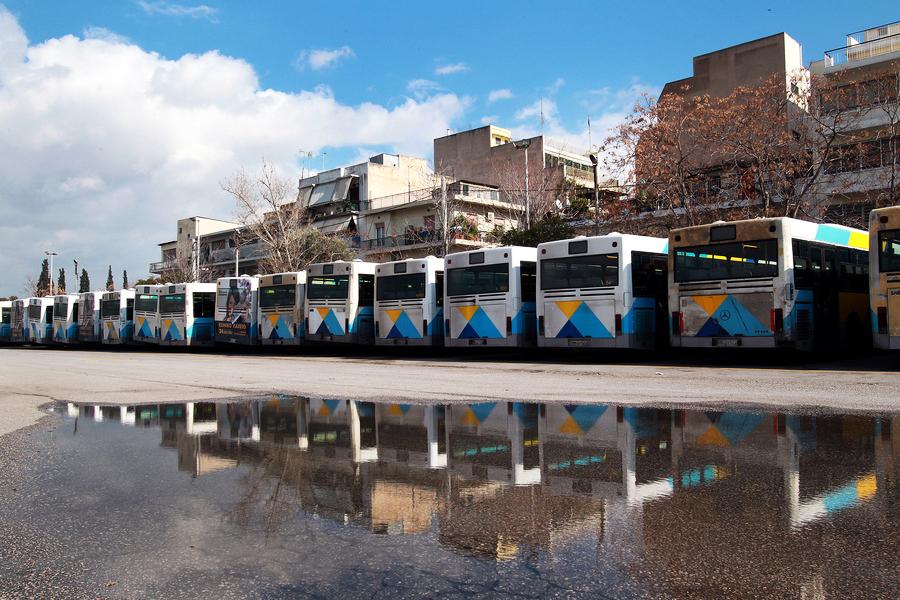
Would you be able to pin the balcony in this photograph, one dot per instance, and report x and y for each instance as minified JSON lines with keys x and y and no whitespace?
{"x":861,"y":49}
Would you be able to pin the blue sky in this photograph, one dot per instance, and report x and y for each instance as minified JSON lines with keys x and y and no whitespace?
{"x":121,"y":117}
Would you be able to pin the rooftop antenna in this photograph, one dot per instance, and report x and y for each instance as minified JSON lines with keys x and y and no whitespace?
{"x":542,"y":117}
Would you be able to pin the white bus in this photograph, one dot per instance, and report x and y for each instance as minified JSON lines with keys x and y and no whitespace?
{"x":18,"y":325}
{"x":884,"y":276}
{"x":340,"y":302}
{"x":65,"y":318}
{"x":602,"y":292}
{"x":6,"y":320}
{"x":89,"y":318}
{"x":40,"y":320}
{"x":146,"y":313}
{"x":237,"y":310}
{"x":282,"y":309}
{"x":117,"y":316}
{"x":186,"y":312}
{"x":490,"y":297}
{"x":769,"y":283}
{"x":409,"y":302}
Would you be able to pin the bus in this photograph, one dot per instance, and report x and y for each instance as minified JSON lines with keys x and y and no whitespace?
{"x":146,"y":313}
{"x":18,"y":324}
{"x":769,"y":283}
{"x":282,"y":309}
{"x":605,"y":291}
{"x":6,"y":320}
{"x":89,"y":318}
{"x":65,"y":318}
{"x":340,"y":302}
{"x":409,"y":302}
{"x":186,"y":314}
{"x":40,"y":320}
{"x":117,"y":316}
{"x":490,"y":297}
{"x":884,"y":277}
{"x":237,"y":310}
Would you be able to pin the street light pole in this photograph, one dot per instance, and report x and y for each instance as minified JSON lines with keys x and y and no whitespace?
{"x":51,"y":255}
{"x":519,"y":146}
{"x":594,"y":161}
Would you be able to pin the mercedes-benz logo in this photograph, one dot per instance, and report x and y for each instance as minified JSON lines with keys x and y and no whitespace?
{"x":724,"y":315}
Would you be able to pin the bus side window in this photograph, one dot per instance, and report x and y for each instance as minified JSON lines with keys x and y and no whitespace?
{"x":528,"y":271}
{"x":204,"y":305}
{"x":366,"y":290}
{"x":129,"y":310}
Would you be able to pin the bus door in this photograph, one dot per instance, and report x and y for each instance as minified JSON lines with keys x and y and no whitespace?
{"x":365,"y":318}
{"x":826,"y":318}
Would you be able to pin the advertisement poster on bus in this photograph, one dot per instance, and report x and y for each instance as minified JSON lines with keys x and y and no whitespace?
{"x":233,"y":315}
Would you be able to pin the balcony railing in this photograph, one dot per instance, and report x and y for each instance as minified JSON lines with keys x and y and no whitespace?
{"x":863,"y":50}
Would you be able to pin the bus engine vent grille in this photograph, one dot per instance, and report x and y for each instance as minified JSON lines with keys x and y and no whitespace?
{"x":803,"y":328}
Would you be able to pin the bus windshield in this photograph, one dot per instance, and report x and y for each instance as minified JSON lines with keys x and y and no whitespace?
{"x":592,"y":270}
{"x":328,"y":287}
{"x":171,"y":303}
{"x":146,"y":302}
{"x":401,"y":287}
{"x":735,"y":260}
{"x":109,"y":309}
{"x":479,"y":279}
{"x":889,"y":250}
{"x":277,"y":295}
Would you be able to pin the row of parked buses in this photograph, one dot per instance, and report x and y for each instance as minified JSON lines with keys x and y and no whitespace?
{"x":763,"y":283}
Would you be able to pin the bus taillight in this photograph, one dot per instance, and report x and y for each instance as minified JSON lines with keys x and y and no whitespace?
{"x":777,"y":320}
{"x":541,"y":325}
{"x":377,"y":328}
{"x":882,"y":319}
{"x":618,"y":325}
{"x":446,"y":326}
{"x":676,"y":322}
{"x":508,"y":325}
{"x":424,"y":327}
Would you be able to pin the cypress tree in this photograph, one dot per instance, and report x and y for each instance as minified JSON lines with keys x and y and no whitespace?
{"x":61,"y":283}
{"x":43,"y":286}
{"x":110,"y":284}
{"x":85,"y":282}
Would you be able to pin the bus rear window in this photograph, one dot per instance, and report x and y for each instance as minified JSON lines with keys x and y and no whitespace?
{"x":737,"y":260}
{"x":594,"y":270}
{"x":146,"y":303}
{"x":277,"y":295}
{"x":889,"y":251}
{"x":109,"y":309}
{"x":328,"y":288}
{"x":171,"y":303}
{"x":401,"y":287}
{"x":481,"y":279}
{"x":4,"y":315}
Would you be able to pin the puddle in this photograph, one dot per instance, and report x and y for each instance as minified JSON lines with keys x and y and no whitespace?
{"x":289,"y":497}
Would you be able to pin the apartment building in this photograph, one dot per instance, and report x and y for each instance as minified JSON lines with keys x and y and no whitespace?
{"x":862,"y":166}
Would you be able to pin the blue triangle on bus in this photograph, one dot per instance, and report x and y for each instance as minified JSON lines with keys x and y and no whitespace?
{"x":569,"y":330}
{"x":711,"y":329}
{"x":394,"y":333}
{"x":468,"y":332}
{"x":323,"y":329}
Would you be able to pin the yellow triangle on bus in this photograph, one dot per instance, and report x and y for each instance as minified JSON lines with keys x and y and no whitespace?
{"x":569,"y":307}
{"x":713,"y":437}
{"x":859,"y":240}
{"x":324,"y":412}
{"x":323,"y":312}
{"x":467,"y":311}
{"x":469,"y":418}
{"x":393,"y":315}
{"x":395,"y":409}
{"x":273,"y":319}
{"x":570,"y":426}
{"x":167,"y":323}
{"x":710,"y":303}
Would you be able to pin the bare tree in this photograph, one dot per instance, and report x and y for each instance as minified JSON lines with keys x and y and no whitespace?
{"x":268,"y":209}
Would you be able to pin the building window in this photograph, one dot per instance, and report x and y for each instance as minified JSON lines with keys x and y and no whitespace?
{"x":379,"y":234}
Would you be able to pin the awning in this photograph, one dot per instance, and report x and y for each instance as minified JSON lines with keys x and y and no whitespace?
{"x":326,"y":193}
{"x":335,"y":225}
{"x":305,"y":193}
{"x":322,"y":193}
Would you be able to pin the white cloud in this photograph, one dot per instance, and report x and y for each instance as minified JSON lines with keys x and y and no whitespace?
{"x":102,"y":33}
{"x":499,"y":95}
{"x":176,"y":10}
{"x":422,"y":88}
{"x":555,"y":87}
{"x":490,"y":119}
{"x":449,"y":69}
{"x":106,"y":145}
{"x":323,"y":59}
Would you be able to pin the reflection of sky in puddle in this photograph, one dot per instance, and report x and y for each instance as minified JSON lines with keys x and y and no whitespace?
{"x":281,"y":497}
